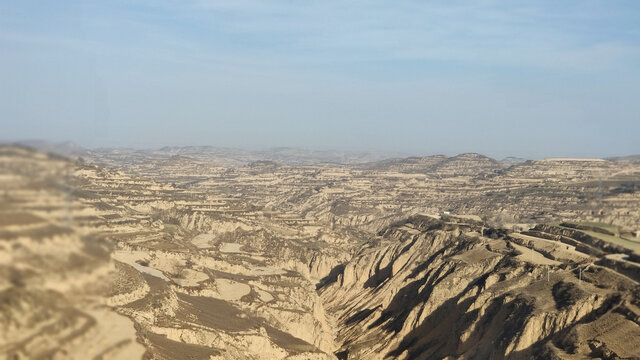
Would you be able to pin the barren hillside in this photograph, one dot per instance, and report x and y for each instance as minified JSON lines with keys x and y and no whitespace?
{"x":175,"y":257}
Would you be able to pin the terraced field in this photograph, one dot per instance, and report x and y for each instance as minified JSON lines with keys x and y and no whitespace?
{"x":177,"y":258}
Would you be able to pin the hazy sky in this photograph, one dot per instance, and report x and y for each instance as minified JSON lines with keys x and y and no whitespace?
{"x":524,"y":78}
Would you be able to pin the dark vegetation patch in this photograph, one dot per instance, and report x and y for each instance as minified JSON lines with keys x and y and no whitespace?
{"x":340,"y":207}
{"x":566,"y":294}
{"x":625,"y":188}
{"x":493,"y":233}
{"x":214,"y":313}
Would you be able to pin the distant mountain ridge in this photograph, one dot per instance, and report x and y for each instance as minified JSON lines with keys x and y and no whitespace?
{"x":512,"y":160}
{"x":635,"y":159}
{"x":283,"y":155}
{"x":467,"y":164}
{"x":232,"y":157}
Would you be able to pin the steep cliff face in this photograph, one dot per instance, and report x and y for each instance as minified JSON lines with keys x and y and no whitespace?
{"x":433,"y":289}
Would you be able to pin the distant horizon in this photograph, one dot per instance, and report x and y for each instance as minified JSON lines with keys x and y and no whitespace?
{"x":353,"y":151}
{"x":533,"y":79}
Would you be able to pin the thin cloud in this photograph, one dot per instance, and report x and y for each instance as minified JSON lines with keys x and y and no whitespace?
{"x":405,"y":73}
{"x":488,"y":33}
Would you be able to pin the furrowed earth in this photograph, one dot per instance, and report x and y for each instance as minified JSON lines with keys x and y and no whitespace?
{"x":187,"y":253}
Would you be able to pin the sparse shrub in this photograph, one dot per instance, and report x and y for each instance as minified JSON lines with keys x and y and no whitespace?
{"x":16,"y":278}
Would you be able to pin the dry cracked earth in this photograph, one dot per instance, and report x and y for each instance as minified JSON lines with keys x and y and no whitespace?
{"x":167,"y":255}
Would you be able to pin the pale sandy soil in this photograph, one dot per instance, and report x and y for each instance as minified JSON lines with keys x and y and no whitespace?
{"x":532,"y":256}
{"x":130,"y":258}
{"x":263,"y":270}
{"x":558,"y":249}
{"x":230,"y":248}
{"x":111,"y":339}
{"x":264,"y":296}
{"x":190,"y":278}
{"x":231,"y":290}
{"x":239,"y":277}
{"x":203,"y":241}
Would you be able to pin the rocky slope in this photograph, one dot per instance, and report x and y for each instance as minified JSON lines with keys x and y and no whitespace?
{"x":100,"y":264}
{"x":432,"y":288}
{"x":171,"y":257}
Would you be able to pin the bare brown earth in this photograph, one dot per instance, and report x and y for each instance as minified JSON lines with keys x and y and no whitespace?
{"x":174,"y":257}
